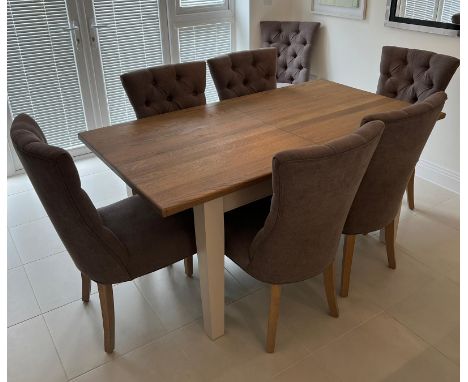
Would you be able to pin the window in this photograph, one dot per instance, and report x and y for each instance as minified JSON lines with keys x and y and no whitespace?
{"x":200,"y":3}
{"x":129,"y":38}
{"x":449,"y":8}
{"x":191,"y":6}
{"x":432,"y":10}
{"x":204,"y":30}
{"x":41,"y":69}
{"x":202,"y":42}
{"x":65,"y":57}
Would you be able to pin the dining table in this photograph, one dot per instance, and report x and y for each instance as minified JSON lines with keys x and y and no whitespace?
{"x":216,"y":157}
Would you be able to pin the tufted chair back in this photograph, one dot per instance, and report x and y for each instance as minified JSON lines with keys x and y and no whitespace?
{"x":294,"y":41}
{"x":94,"y":248}
{"x":241,"y":73}
{"x":313,"y":189}
{"x":165,"y":88}
{"x":412,"y":75}
{"x":406,"y":132}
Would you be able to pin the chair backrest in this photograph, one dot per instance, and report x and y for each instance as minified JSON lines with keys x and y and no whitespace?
{"x":412,"y":75}
{"x":294,"y":41}
{"x":241,"y":73}
{"x":96,"y":251}
{"x":313,"y":189}
{"x":165,"y":88}
{"x":406,"y":132}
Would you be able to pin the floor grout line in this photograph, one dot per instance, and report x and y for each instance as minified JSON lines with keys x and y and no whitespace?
{"x":248,"y":291}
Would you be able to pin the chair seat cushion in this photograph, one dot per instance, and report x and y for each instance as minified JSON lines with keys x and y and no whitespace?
{"x":240,"y":227}
{"x":153,"y":242}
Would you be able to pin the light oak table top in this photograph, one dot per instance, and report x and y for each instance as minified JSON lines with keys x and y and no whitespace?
{"x":182,"y":159}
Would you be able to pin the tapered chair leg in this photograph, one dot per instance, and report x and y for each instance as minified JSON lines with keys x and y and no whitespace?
{"x":273,"y":318}
{"x":390,"y":244}
{"x":348,"y":251}
{"x":329,"y":282}
{"x":188,"y":264}
{"x":410,"y":191}
{"x":85,"y":287}
{"x":106,"y":297}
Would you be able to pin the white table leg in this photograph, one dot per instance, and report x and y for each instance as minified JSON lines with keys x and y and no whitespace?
{"x":209,"y":231}
{"x":397,"y":221}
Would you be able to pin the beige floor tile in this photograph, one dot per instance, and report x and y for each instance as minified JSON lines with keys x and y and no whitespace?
{"x":22,"y":304}
{"x":161,"y":360}
{"x":13,"y":259}
{"x":240,"y":353}
{"x":176,"y":298}
{"x":31,"y":354}
{"x":18,"y":183}
{"x":374,"y":281}
{"x":56,"y":281}
{"x":304,"y":310}
{"x":433,"y":313}
{"x":104,"y":186}
{"x":248,"y":282}
{"x":419,"y":233}
{"x":429,"y":366}
{"x":447,"y":213}
{"x":443,"y":258}
{"x":36,"y":240}
{"x":89,"y":166}
{"x":78,"y":335}
{"x":372,"y":352}
{"x":429,"y":193}
{"x":307,"y":370}
{"x":23,"y":208}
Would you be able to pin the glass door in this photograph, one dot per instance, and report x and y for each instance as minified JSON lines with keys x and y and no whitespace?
{"x":45,"y":70}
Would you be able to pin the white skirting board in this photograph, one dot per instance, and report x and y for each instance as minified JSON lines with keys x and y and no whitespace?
{"x":439,"y":175}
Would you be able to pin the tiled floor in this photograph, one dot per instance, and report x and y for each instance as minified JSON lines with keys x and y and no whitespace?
{"x":400,"y":325}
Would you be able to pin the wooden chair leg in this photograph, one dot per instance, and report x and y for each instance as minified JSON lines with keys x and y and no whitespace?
{"x":348,"y":251}
{"x":273,"y":318}
{"x":106,"y":297}
{"x":85,"y":287}
{"x":390,"y":244}
{"x":188,"y":264}
{"x":329,"y":281}
{"x":410,"y":191}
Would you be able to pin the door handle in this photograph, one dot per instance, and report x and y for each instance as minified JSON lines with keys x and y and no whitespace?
{"x":74,"y":31}
{"x":94,"y":28}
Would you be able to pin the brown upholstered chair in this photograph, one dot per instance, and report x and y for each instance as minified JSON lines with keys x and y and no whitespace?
{"x":241,"y":73}
{"x":165,"y":88}
{"x":379,"y":196}
{"x":412,"y":75}
{"x":110,"y":245}
{"x":297,"y":236}
{"x":294,"y":42}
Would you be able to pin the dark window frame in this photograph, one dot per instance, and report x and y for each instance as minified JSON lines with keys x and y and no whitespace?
{"x":427,"y":23}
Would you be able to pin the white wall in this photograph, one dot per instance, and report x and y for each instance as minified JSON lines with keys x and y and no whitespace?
{"x":348,"y":51}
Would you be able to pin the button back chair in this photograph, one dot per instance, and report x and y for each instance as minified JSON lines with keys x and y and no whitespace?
{"x":296,"y":236}
{"x":412,"y":75}
{"x":378,"y":198}
{"x":109,"y":245}
{"x":294,"y":42}
{"x":241,"y":73}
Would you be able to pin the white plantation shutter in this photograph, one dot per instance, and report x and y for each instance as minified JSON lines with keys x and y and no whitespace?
{"x":200,"y":3}
{"x":449,"y":8}
{"x":202,"y":42}
{"x":41,"y":69}
{"x":129,"y":39}
{"x":420,"y":9}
